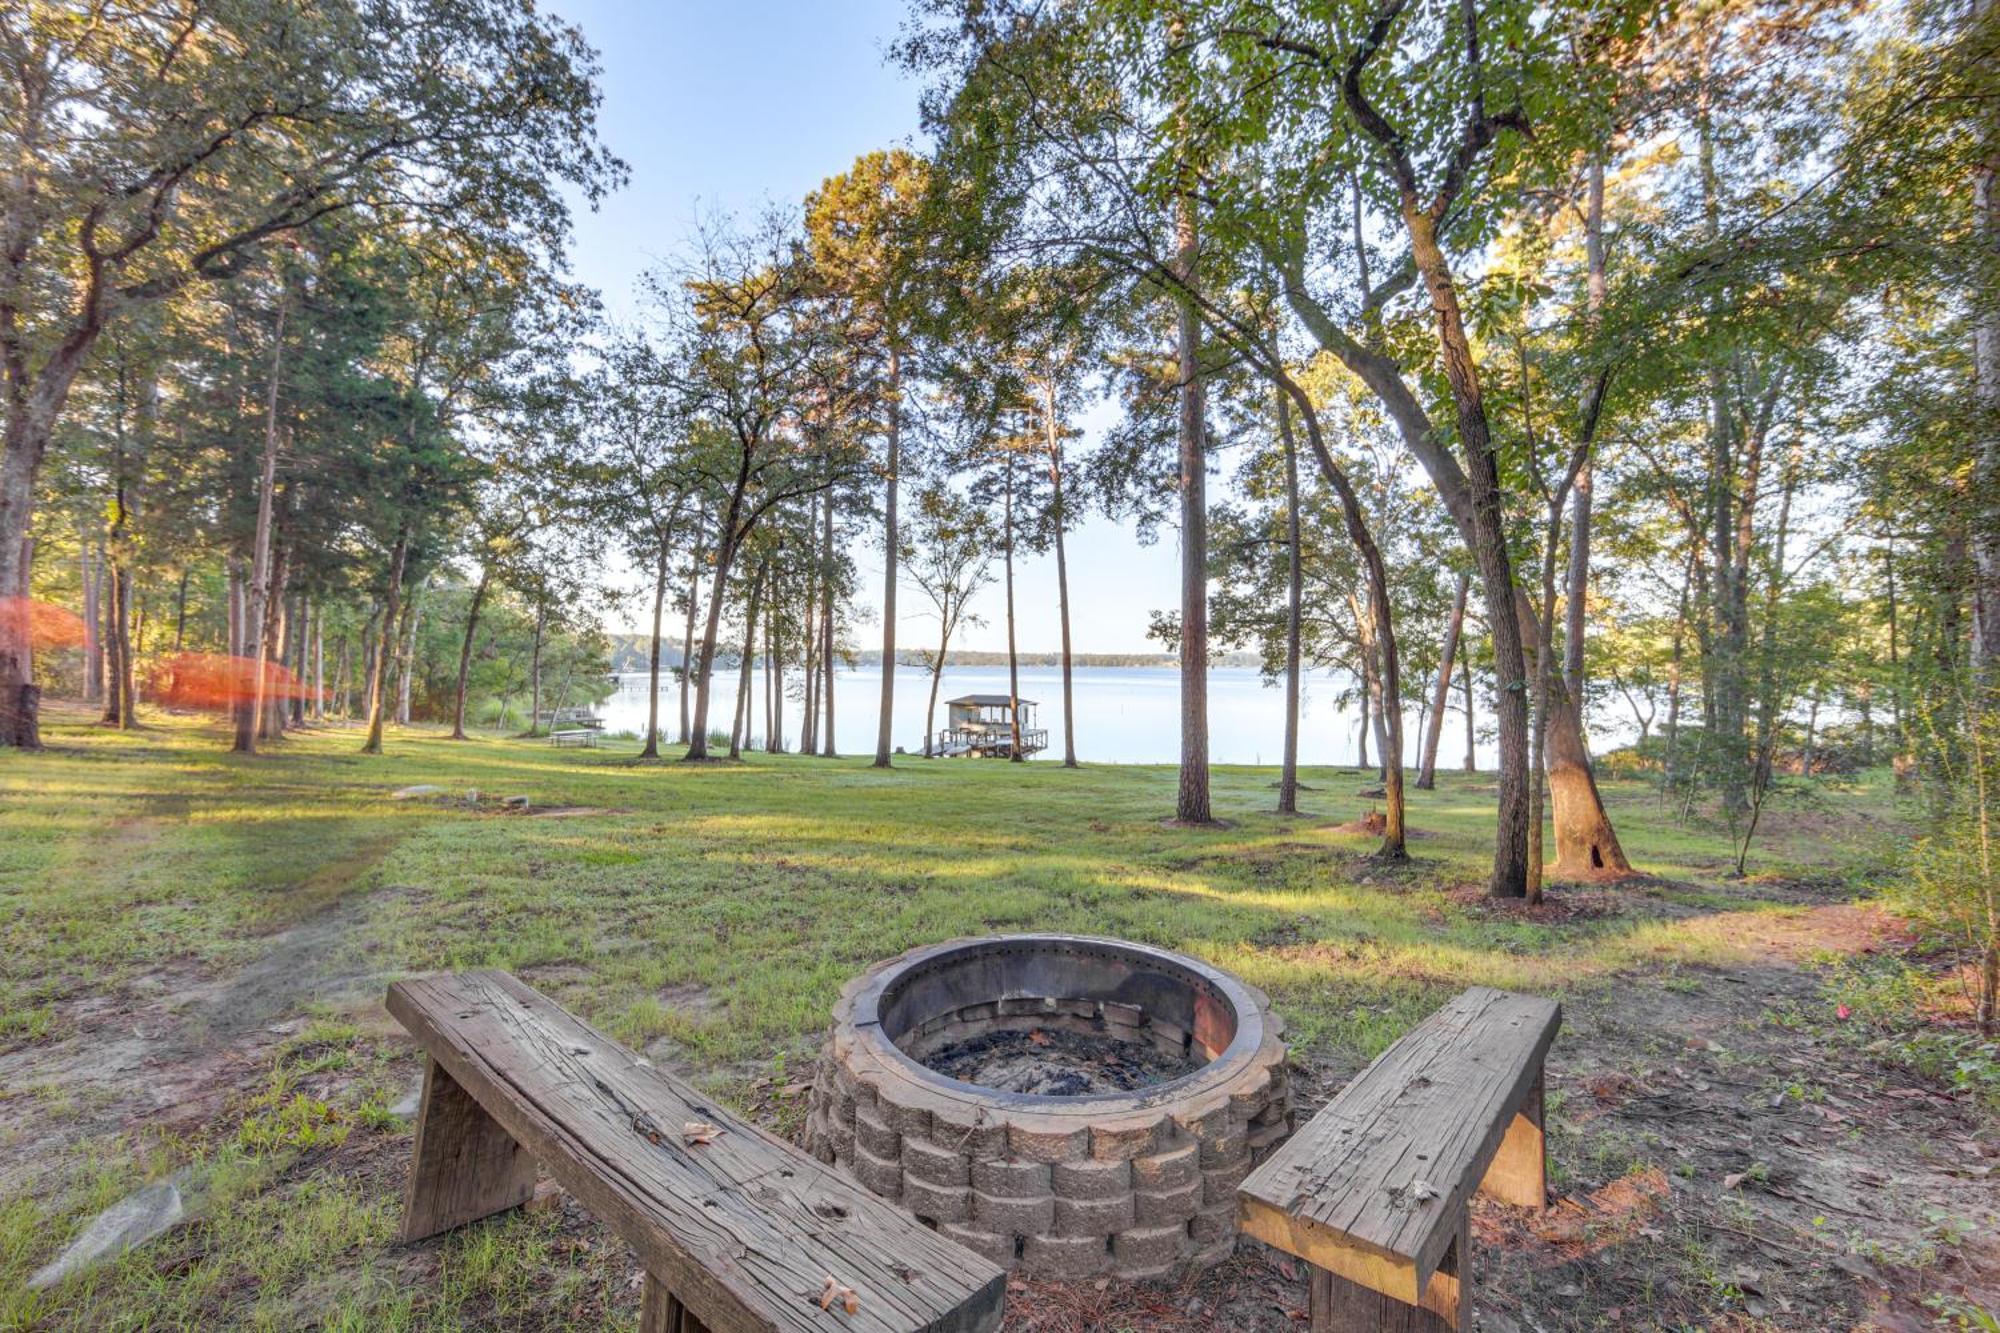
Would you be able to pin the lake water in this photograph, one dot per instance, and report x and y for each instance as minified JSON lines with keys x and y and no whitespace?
{"x":1124,"y":715}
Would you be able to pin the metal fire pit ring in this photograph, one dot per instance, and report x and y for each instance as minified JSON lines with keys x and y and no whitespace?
{"x":1139,"y":1184}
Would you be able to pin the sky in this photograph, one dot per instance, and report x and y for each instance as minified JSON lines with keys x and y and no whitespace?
{"x":739,"y":105}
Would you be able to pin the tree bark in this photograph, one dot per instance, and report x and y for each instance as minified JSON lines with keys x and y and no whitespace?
{"x":378,"y":696}
{"x":465,"y":651}
{"x":1013,"y":656}
{"x":740,"y":727}
{"x":884,"y":730}
{"x":1471,"y":723}
{"x":1434,"y":734}
{"x":725,"y":555}
{"x":406,"y":657}
{"x":535,"y":666}
{"x":687,"y":633}
{"x":1510,"y":853}
{"x":1192,"y":804}
{"x":1059,"y":508}
{"x":1365,"y":694}
{"x":652,"y":750}
{"x":93,"y":648}
{"x":1288,"y":772}
{"x":828,"y":605}
{"x":1986,"y":388}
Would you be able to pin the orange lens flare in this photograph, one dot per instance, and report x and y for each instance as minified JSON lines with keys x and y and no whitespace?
{"x":218,"y":681}
{"x":48,"y":626}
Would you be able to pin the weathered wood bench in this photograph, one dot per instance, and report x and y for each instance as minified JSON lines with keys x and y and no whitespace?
{"x":737,"y":1230}
{"x":1373,"y":1192}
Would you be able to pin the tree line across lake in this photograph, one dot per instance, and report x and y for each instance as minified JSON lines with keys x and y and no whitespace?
{"x":1522,"y":360}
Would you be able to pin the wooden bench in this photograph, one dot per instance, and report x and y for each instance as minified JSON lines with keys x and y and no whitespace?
{"x":737,"y":1230}
{"x":580,"y":737}
{"x":1374,"y":1191}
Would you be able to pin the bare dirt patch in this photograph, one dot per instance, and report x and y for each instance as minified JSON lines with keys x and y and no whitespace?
{"x":1723,"y":1160}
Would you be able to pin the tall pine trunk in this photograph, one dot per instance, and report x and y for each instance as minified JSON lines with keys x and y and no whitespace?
{"x":1192,"y":804}
{"x":1288,"y":773}
{"x":652,"y":750}
{"x":687,"y":633}
{"x":1058,"y":508}
{"x":1013,"y":654}
{"x":885,"y":725}
{"x":739,"y":730}
{"x":828,"y":605}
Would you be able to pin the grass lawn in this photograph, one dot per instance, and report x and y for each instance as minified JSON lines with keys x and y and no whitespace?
{"x":195,"y":946}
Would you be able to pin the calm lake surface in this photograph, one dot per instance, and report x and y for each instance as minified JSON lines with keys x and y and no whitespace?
{"x":1124,"y":715}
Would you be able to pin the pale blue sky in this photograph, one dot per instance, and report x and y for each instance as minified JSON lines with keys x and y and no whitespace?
{"x":735,"y":105}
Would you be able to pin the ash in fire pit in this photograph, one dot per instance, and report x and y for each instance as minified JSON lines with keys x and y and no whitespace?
{"x":1055,"y":1063}
{"x":1063,"y":1105}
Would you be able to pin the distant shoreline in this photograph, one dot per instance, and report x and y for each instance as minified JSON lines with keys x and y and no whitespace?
{"x":630,"y":652}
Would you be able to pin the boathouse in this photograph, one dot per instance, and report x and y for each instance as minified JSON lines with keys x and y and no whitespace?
{"x":981,"y":726}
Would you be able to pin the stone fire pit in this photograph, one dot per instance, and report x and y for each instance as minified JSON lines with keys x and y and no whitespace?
{"x":1122,"y":1093}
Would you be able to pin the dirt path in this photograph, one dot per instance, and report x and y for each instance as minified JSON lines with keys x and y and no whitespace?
{"x":166,"y":1050}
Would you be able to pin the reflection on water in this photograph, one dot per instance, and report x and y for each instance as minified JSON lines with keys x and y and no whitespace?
{"x":1125,"y":715}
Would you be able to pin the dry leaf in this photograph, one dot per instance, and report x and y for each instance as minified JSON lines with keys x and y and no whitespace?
{"x":1731,"y":1181}
{"x":1039,"y":1037}
{"x":700,"y":1132}
{"x":833,"y":1293}
{"x":1289,"y":1269}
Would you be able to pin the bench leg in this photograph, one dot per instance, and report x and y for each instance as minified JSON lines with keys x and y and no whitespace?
{"x":1337,"y":1305}
{"x":464,"y":1166}
{"x":662,"y":1312}
{"x":1519,"y":1174}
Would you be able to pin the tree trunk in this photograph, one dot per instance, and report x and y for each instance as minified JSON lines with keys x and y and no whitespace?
{"x":725,"y":554}
{"x":652,"y":748}
{"x":465,"y":652}
{"x":383,"y":645}
{"x":740,"y":728}
{"x":535,"y":665}
{"x":1013,"y":655}
{"x":1434,"y":733}
{"x":885,"y":726}
{"x":301,"y":659}
{"x":1058,"y":507}
{"x":93,"y":648}
{"x":774,"y":642}
{"x":828,"y":605}
{"x":687,"y":633}
{"x":1986,"y":390}
{"x":809,"y":639}
{"x":1471,"y":723}
{"x":406,"y":655}
{"x":114,"y":665}
{"x":1288,"y":773}
{"x":1367,"y":697}
{"x":319,"y":664}
{"x":1489,"y":542}
{"x":1192,"y":805}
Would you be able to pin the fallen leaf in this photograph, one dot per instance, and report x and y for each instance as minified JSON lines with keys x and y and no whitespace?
{"x":833,"y":1293}
{"x":1289,"y":1269}
{"x":1732,"y":1180}
{"x":698,"y":1132}
{"x":1039,"y":1037}
{"x":1843,"y":1013}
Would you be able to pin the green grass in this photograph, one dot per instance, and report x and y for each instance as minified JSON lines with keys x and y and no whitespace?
{"x":717,"y":909}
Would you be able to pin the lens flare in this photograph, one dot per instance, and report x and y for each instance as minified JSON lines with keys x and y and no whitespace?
{"x":218,"y":681}
{"x":48,"y":626}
